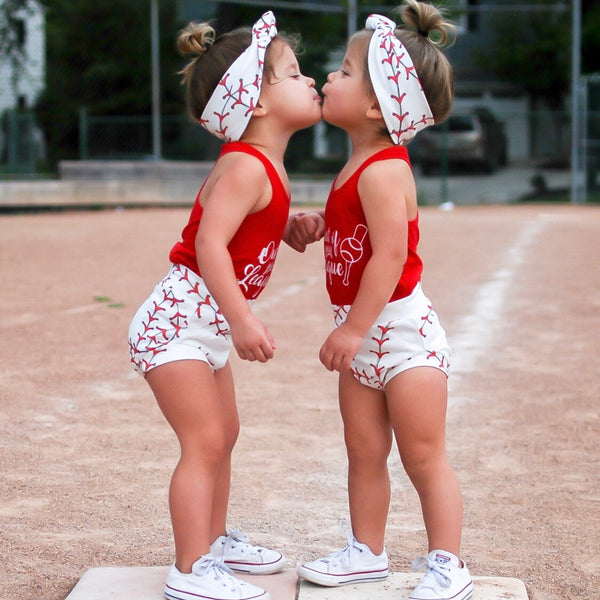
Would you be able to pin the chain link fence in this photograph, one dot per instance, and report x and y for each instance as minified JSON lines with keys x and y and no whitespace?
{"x":536,"y":139}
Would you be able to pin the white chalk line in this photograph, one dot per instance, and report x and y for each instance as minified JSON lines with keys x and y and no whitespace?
{"x":29,"y":318}
{"x":259,"y":306}
{"x":290,"y":290}
{"x":478,"y":330}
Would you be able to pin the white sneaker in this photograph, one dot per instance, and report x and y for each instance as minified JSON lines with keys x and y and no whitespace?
{"x":210,"y":580}
{"x":354,"y":564}
{"x":240,"y":555}
{"x":444,"y":578}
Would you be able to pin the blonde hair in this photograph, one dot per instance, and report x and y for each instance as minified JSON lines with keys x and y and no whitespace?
{"x":212,"y":56}
{"x":424,"y":32}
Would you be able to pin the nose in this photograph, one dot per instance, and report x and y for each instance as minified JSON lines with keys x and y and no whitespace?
{"x":310,"y":81}
{"x":330,"y":77}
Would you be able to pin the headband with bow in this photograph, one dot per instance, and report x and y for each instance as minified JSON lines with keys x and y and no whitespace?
{"x":396,"y":83}
{"x":231,"y":105}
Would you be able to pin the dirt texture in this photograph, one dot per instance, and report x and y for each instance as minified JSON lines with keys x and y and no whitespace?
{"x":86,"y":456}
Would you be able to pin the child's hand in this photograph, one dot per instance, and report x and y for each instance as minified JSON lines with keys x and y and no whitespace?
{"x":340,"y":348}
{"x":252,"y":340}
{"x":303,"y":229}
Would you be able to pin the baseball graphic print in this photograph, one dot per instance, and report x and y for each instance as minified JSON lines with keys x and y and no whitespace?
{"x":341,"y":255}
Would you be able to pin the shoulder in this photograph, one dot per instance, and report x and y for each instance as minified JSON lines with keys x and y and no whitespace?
{"x":239,"y":178}
{"x":241,"y":166}
{"x":386,"y":175}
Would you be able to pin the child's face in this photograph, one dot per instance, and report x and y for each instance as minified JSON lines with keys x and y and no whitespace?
{"x":346,"y":95}
{"x":286,"y":93}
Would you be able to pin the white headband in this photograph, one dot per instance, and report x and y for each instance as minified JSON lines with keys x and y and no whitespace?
{"x":396,"y":83}
{"x":231,"y":105}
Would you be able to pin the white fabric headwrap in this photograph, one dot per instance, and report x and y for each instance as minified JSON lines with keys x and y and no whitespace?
{"x":231,"y":105}
{"x":396,"y":83}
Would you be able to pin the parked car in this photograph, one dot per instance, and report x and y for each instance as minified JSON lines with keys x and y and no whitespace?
{"x":472,"y":137}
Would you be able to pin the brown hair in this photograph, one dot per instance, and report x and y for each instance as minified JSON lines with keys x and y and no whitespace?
{"x":212,"y":57}
{"x":423,"y":33}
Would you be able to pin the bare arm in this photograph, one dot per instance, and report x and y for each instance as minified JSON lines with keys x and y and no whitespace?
{"x":383,"y":188}
{"x":241,"y":186}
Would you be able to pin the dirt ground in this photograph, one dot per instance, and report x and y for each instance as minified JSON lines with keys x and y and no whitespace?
{"x":86,"y":456}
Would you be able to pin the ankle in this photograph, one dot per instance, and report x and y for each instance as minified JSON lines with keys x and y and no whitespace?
{"x":375,"y":547}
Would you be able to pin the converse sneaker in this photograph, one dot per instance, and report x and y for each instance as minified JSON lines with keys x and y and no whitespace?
{"x":210,"y":580}
{"x":240,"y":555}
{"x":355,"y":563}
{"x":444,"y":578}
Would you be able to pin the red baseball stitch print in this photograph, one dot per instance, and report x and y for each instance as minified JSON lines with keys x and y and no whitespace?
{"x":362,"y":377}
{"x":160,"y":330}
{"x":231,"y":105}
{"x":380,"y":352}
{"x":441,"y":359}
{"x":426,"y":320}
{"x":392,"y":71}
{"x":399,"y":70}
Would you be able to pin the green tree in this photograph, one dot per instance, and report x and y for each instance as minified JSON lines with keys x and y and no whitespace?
{"x":99,"y":57}
{"x":590,"y":37}
{"x":531,"y":49}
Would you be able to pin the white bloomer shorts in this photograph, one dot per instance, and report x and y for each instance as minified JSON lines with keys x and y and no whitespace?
{"x":407,"y":334}
{"x":179,"y":321}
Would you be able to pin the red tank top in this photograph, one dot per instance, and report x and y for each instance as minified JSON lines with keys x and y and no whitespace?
{"x":254,"y":246}
{"x":346,"y":242}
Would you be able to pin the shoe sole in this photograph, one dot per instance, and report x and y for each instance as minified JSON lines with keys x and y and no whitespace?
{"x":174,"y":594}
{"x":256,"y":568}
{"x":464,"y":594}
{"x":332,"y":580}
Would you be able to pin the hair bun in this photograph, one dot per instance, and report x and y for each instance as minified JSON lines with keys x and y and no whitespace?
{"x":427,"y":19}
{"x":196,"y":38}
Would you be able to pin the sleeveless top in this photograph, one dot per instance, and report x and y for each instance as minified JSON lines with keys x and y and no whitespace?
{"x":254,"y":246}
{"x":346,"y":242}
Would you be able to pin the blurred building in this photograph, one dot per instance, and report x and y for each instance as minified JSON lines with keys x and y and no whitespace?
{"x":22,"y":79}
{"x":21,"y":85}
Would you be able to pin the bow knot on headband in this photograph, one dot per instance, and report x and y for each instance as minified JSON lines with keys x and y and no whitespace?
{"x":231,"y":105}
{"x":395,"y":81}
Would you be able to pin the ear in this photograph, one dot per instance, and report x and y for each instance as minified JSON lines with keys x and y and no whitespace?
{"x":374,"y":112}
{"x":260,"y":110}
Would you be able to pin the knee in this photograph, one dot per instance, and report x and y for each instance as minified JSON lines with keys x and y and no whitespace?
{"x":371,"y":452}
{"x":210,"y":445}
{"x":424,"y":466}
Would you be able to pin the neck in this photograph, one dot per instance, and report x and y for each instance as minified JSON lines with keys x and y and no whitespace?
{"x":367,"y":143}
{"x":273,"y":146}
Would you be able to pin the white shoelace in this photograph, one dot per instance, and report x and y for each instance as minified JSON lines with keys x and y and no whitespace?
{"x":342,"y":557}
{"x":214,"y":566}
{"x":236,"y":537}
{"x":433,"y":570}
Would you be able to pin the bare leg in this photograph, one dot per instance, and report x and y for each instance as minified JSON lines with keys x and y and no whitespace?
{"x":417,"y":401}
{"x":224,"y":380}
{"x":193,"y":403}
{"x":368,"y":436}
